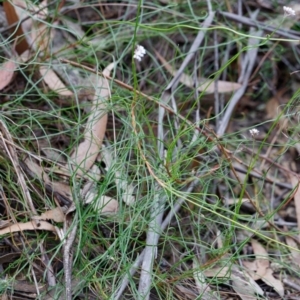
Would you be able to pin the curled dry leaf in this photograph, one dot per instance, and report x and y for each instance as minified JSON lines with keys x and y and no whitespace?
{"x":204,"y":84}
{"x":33,"y":225}
{"x":53,"y":81}
{"x":7,"y":72}
{"x":86,"y":153}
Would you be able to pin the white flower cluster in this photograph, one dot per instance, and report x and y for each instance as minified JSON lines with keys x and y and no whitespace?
{"x":254,"y":132}
{"x":288,"y":11}
{"x":139,"y":52}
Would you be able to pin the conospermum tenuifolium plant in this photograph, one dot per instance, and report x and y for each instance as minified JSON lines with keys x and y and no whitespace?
{"x":108,"y":245}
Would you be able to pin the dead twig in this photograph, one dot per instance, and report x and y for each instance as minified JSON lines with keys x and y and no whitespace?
{"x":125,"y":280}
{"x":248,"y":64}
{"x":70,"y":234}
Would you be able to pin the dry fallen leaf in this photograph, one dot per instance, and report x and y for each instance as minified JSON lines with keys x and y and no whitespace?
{"x":218,"y":272}
{"x":53,"y":81}
{"x":295,"y":254}
{"x":59,"y":188}
{"x":86,"y":153}
{"x":33,"y":15}
{"x":41,"y":36}
{"x":295,"y":183}
{"x":103,"y":204}
{"x":56,"y":214}
{"x":33,"y":225}
{"x":270,"y":280}
{"x":244,"y":285}
{"x":274,"y":109}
{"x":204,"y":84}
{"x":5,"y":223}
{"x":188,"y":293}
{"x":12,"y":17}
{"x":261,"y":258}
{"x":260,"y":268}
{"x":234,"y":201}
{"x":7,"y":72}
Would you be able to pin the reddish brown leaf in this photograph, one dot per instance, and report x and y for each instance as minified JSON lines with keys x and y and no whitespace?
{"x":21,"y":44}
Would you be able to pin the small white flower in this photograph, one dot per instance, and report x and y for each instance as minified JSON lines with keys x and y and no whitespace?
{"x":139,"y":52}
{"x":254,"y":132}
{"x":288,"y":11}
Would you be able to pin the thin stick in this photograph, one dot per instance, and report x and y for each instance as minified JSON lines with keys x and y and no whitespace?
{"x":158,"y":204}
{"x":119,"y":293}
{"x":68,"y":254}
{"x":250,"y":60}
